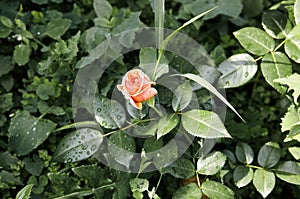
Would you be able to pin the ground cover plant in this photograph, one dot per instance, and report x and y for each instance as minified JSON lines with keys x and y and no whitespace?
{"x":96,"y":103}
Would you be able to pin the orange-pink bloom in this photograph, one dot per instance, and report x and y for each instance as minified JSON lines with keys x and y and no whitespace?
{"x":137,"y":87}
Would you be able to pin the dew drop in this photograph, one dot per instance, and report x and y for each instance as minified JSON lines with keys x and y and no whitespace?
{"x":34,"y":128}
{"x":227,"y":83}
{"x":69,"y":160}
{"x":158,"y":155}
{"x":119,"y":117}
{"x":77,"y":133}
{"x":88,"y":152}
{"x":98,"y":109}
{"x":84,"y":147}
{"x":88,"y":130}
{"x":17,"y":123}
{"x":103,"y":123}
{"x":27,"y":132}
{"x":246,"y":74}
{"x":93,"y":148}
{"x":82,"y":137}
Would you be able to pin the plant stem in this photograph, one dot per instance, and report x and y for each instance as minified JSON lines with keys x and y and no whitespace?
{"x":157,"y":111}
{"x":159,"y":12}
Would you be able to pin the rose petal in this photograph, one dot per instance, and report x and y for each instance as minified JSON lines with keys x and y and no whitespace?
{"x":145,"y":95}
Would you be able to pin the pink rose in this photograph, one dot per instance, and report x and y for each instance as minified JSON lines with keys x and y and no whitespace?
{"x":137,"y":87}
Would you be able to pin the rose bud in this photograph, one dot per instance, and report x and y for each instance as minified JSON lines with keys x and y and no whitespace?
{"x":137,"y":87}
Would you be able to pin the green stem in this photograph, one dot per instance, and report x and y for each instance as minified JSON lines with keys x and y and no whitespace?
{"x":158,"y":183}
{"x":283,"y":42}
{"x":157,"y":111}
{"x":159,"y":12}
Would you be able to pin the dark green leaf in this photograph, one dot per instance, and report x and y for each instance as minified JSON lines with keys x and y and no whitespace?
{"x":244,"y":153}
{"x":181,"y":168}
{"x":109,"y":113}
{"x":5,"y":65}
{"x":264,"y":181}
{"x":4,"y":31}
{"x":166,"y":124}
{"x":202,"y":123}
{"x":255,"y":40}
{"x":216,"y":190}
{"x":269,"y":155}
{"x":289,"y":171}
{"x":34,"y":165}
{"x":189,"y":191}
{"x":27,"y":132}
{"x":242,"y":176}
{"x":276,"y":24}
{"x":78,"y":145}
{"x":6,"y":102}
{"x":237,"y":70}
{"x":57,"y":28}
{"x":274,"y":66}
{"x":211,"y":164}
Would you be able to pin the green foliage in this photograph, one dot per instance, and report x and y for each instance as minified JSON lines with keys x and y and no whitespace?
{"x":254,"y":46}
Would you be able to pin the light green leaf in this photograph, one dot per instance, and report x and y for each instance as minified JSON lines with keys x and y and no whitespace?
{"x":291,"y":46}
{"x":244,"y":153}
{"x":242,"y":176}
{"x":264,"y":181}
{"x":211,"y":164}
{"x":276,"y":24}
{"x":189,"y":191}
{"x":4,"y":31}
{"x":212,"y":89}
{"x":205,"y":124}
{"x":237,"y":70}
{"x":25,"y":192}
{"x":182,"y":96}
{"x":297,"y":11}
{"x":291,"y":117}
{"x":139,"y":184}
{"x":121,"y":147}
{"x":269,"y":155}
{"x":6,"y":21}
{"x":295,"y":151}
{"x":166,"y":124}
{"x":293,"y":83}
{"x":21,"y":54}
{"x":255,"y":40}
{"x":103,"y":8}
{"x":109,"y":113}
{"x":181,"y":168}
{"x":276,"y":65}
{"x":27,"y":132}
{"x":148,"y":59}
{"x":216,"y":190}
{"x":57,"y":28}
{"x":78,"y":145}
{"x":295,"y":130}
{"x":289,"y":171}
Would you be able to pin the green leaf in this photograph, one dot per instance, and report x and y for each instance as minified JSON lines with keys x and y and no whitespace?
{"x":148,"y":59}
{"x":264,"y":181}
{"x":24,"y":193}
{"x":5,"y":66}
{"x":139,"y":184}
{"x":295,"y":130}
{"x":4,"y":31}
{"x":94,"y":175}
{"x":78,"y":145}
{"x":242,"y":176}
{"x":109,"y":113}
{"x":297,"y":11}
{"x":103,"y":8}
{"x":293,"y":83}
{"x":34,"y":165}
{"x":181,"y":168}
{"x":6,"y":21}
{"x":6,"y":102}
{"x":152,"y":144}
{"x":182,"y":96}
{"x":289,"y":171}
{"x":255,"y":40}
{"x":216,"y":190}
{"x":295,"y":151}
{"x":237,"y":70}
{"x":56,"y":28}
{"x":166,"y":124}
{"x":291,"y":46}
{"x":291,"y":117}
{"x":276,"y":65}
{"x":205,"y":124}
{"x":269,"y":155}
{"x":62,"y":183}
{"x":27,"y":132}
{"x":244,"y":153}
{"x":276,"y":24}
{"x":212,"y":89}
{"x":189,"y":191}
{"x":21,"y":54}
{"x":121,"y":147}
{"x":211,"y":164}
{"x":136,"y":113}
